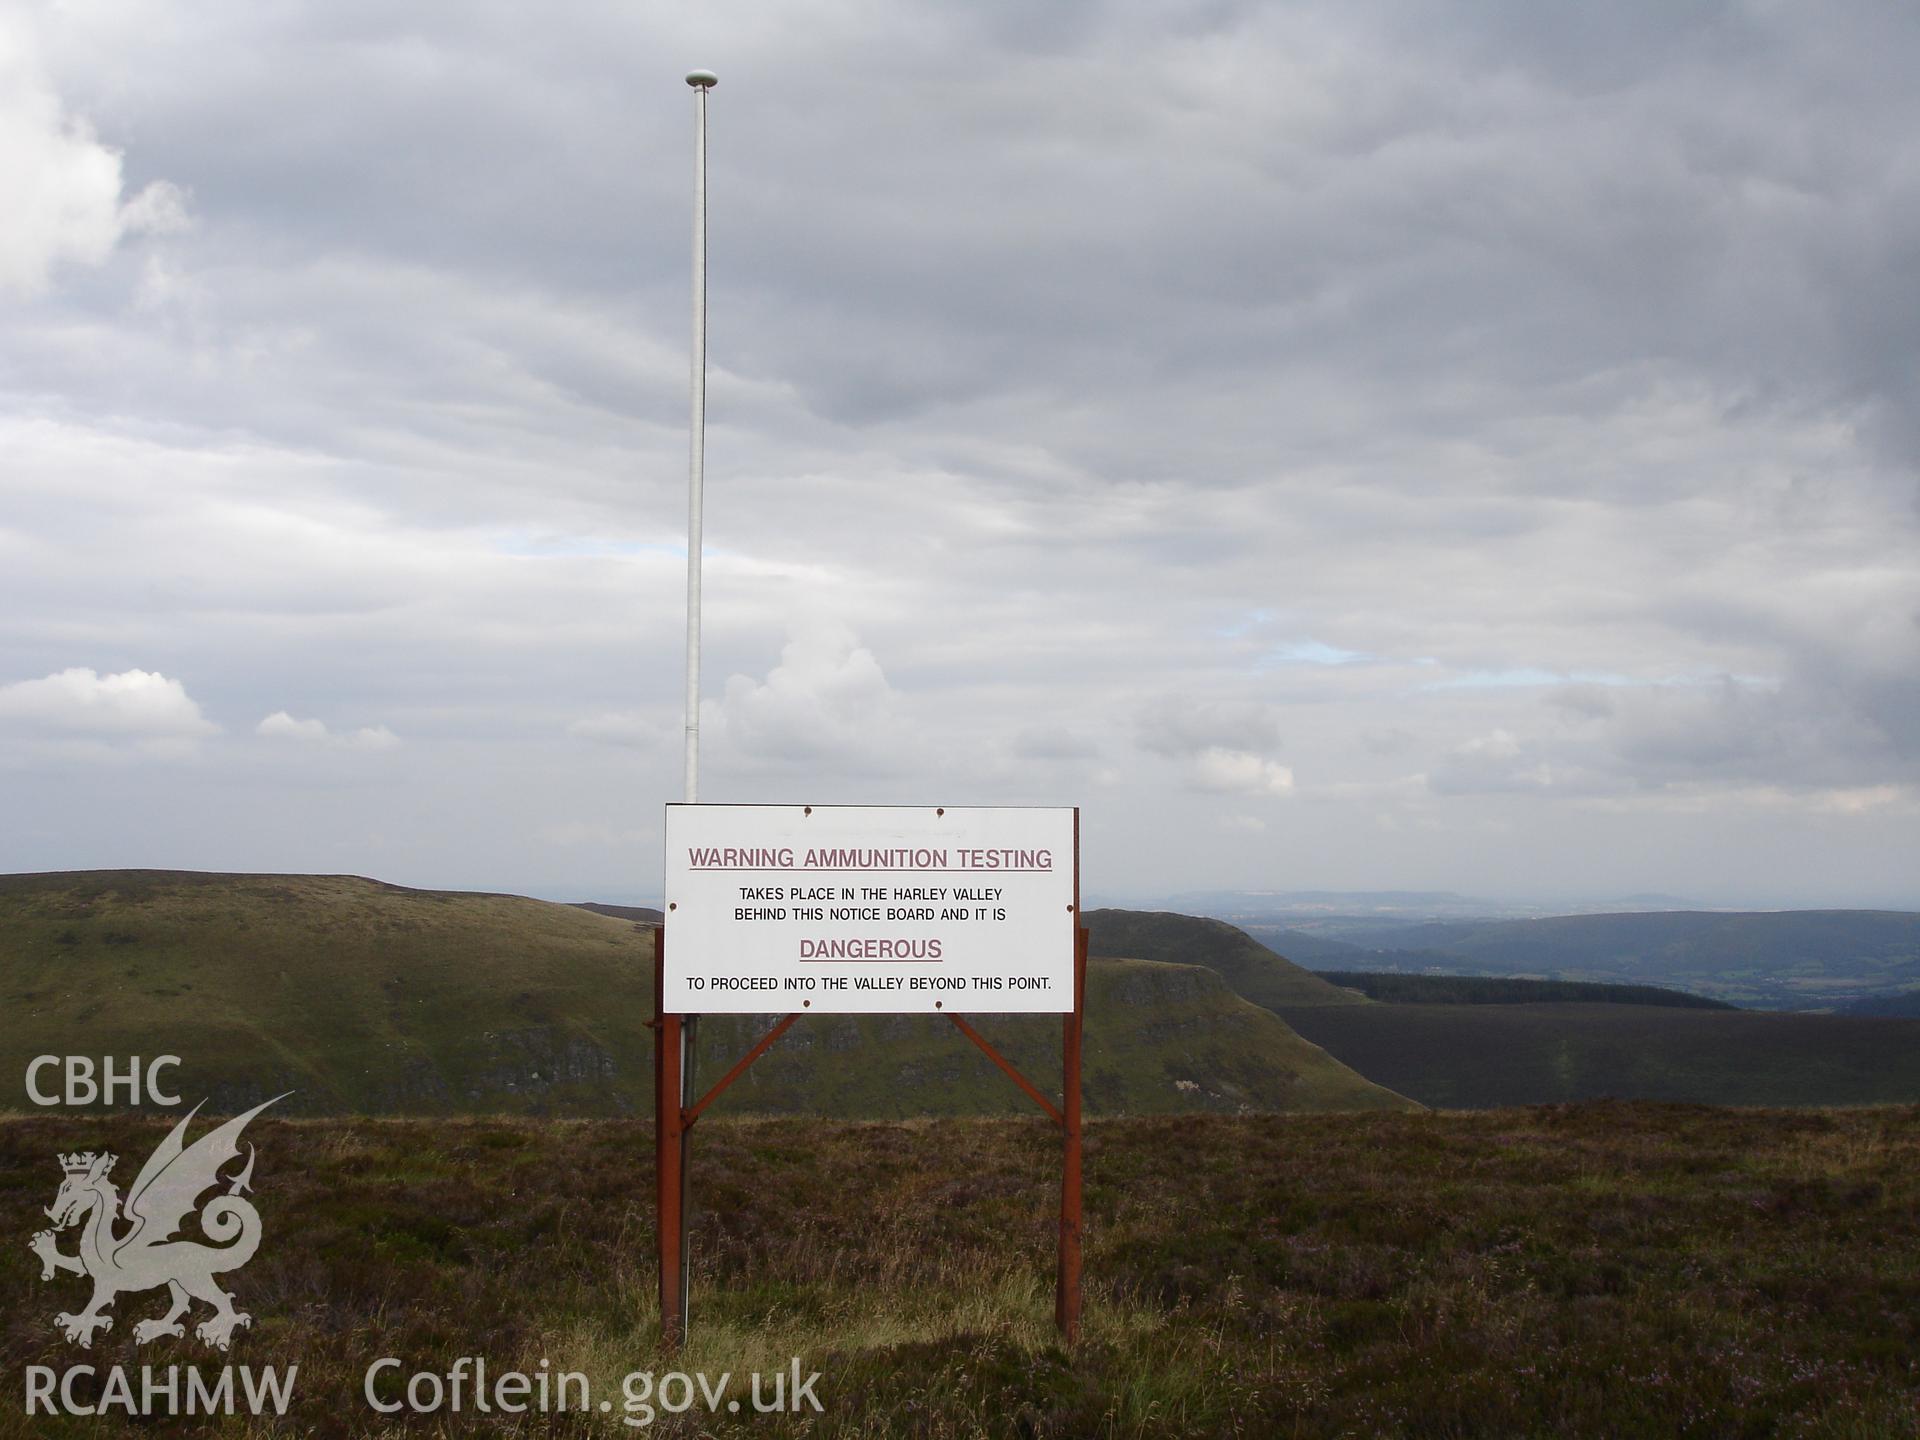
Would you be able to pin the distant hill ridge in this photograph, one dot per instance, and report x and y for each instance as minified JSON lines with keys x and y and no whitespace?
{"x":1395,"y":988}
{"x":639,"y":914}
{"x":1787,"y":959}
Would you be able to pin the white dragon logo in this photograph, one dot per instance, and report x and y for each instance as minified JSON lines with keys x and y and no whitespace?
{"x":145,"y":1256}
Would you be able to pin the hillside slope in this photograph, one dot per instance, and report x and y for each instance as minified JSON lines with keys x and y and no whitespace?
{"x":1159,"y":1038}
{"x":1250,"y":968}
{"x":368,"y":998}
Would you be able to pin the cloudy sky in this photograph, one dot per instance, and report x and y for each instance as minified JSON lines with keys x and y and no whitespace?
{"x":1345,"y":445}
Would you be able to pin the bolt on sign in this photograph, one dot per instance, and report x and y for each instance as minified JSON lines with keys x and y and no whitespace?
{"x":870,"y":908}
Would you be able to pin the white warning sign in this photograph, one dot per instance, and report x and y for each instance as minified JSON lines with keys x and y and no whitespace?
{"x":865,"y":908}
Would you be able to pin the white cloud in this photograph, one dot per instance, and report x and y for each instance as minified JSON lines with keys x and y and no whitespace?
{"x":1860,"y":800}
{"x":1240,"y":772}
{"x":826,"y":702}
{"x":159,"y":209}
{"x":1497,"y":762}
{"x":62,"y":186}
{"x":282,"y":726}
{"x":81,"y":703}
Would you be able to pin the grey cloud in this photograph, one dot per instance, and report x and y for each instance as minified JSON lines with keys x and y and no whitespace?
{"x":1872,"y":669}
{"x":1583,"y":702}
{"x":1391,"y":740}
{"x":1835,"y":732}
{"x":1181,"y":728}
{"x":1697,"y":731}
{"x":1844,"y":710}
{"x":639,"y":732}
{"x":1053,"y":743}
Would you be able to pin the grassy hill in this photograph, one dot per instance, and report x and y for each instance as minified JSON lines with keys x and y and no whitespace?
{"x":368,"y":998}
{"x":1470,"y":1056}
{"x":1791,"y":959}
{"x":1250,"y":968}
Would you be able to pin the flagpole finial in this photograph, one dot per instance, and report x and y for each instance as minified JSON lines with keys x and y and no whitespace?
{"x":702,"y":79}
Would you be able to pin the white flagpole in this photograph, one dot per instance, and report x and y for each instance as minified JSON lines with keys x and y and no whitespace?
{"x":702,"y":81}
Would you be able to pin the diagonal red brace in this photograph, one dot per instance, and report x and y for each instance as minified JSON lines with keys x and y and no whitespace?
{"x":1014,"y":1075}
{"x":689,"y":1116}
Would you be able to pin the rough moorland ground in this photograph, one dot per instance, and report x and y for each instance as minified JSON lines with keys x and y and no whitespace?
{"x":1595,"y":1270}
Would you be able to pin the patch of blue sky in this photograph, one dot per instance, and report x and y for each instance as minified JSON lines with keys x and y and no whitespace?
{"x":1316,"y":652}
{"x":1306,"y":651}
{"x":1253,"y":620}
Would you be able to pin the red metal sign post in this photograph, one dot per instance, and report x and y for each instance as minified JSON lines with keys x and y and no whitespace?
{"x":667,"y":1151}
{"x":673,"y":1118}
{"x":1066,"y":1291}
